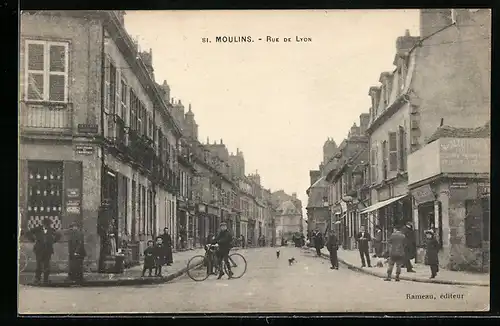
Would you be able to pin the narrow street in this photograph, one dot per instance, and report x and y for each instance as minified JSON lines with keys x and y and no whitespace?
{"x":269,"y":285}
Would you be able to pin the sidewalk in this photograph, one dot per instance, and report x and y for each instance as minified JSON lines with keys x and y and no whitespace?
{"x":131,"y":276}
{"x":422,"y":272}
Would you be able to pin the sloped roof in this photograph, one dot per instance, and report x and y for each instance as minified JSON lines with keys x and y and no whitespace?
{"x":454,"y":132}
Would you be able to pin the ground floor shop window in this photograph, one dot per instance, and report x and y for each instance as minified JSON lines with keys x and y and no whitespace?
{"x":45,"y":191}
{"x":425,"y":220}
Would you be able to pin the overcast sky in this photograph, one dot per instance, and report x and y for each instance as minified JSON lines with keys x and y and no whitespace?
{"x":276,"y":102}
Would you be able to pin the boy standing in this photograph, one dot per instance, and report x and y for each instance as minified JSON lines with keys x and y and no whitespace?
{"x":160,"y":256}
{"x":149,"y":259}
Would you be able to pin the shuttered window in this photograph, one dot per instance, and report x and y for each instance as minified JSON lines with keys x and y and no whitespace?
{"x":373,"y":165}
{"x":402,"y":153}
{"x":393,"y":152}
{"x":112,"y":88}
{"x":385,"y":158}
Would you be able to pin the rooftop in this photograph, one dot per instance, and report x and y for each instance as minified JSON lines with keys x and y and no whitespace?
{"x":454,"y":132}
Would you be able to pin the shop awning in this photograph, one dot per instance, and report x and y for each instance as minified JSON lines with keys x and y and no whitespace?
{"x":381,"y":204}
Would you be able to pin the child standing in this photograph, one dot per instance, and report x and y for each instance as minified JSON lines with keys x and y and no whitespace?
{"x":431,"y":253}
{"x":160,"y":257}
{"x":149,"y":259}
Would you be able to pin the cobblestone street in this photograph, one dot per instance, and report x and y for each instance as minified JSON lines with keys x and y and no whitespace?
{"x":270,"y":285}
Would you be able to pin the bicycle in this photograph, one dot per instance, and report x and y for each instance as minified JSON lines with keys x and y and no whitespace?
{"x":199,"y":267}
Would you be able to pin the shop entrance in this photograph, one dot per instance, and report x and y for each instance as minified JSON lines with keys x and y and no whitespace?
{"x":108,"y":222}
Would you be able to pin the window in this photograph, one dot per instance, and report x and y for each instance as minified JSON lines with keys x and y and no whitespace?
{"x":393,"y":152}
{"x":473,"y":223}
{"x":385,"y":157}
{"x":143,"y":210}
{"x":151,"y":127}
{"x":373,"y":165}
{"x":133,"y":110}
{"x":46,"y":71}
{"x":45,"y":193}
{"x":112,"y":88}
{"x":402,"y":149}
{"x":124,"y":101}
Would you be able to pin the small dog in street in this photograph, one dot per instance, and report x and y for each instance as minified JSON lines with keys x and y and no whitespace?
{"x":291,"y":261}
{"x":278,"y":253}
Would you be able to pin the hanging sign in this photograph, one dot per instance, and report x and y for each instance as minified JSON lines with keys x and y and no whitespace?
{"x":87,"y":128}
{"x":423,"y":194}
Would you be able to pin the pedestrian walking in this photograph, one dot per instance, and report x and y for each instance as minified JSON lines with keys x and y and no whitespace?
{"x":44,"y":237}
{"x":332,"y":246}
{"x":167,"y":245}
{"x":160,"y":256}
{"x":431,"y":252}
{"x":377,"y":242}
{"x":363,"y":239}
{"x":77,"y":253}
{"x":397,"y":244}
{"x":411,"y":246}
{"x":183,"y":237}
{"x":149,"y":259}
{"x":318,"y":242}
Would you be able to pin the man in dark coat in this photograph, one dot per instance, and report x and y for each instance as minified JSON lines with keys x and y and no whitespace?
{"x":167,"y":244}
{"x":77,"y":253}
{"x":363,"y":239}
{"x":318,"y":242}
{"x":431,"y":252}
{"x":224,"y":239}
{"x":411,"y":247}
{"x":397,"y":244}
{"x":44,"y":237}
{"x":332,"y":246}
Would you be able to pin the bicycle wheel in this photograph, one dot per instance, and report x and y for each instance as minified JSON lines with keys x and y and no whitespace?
{"x":238,"y":265}
{"x":23,"y":261}
{"x":197,"y":268}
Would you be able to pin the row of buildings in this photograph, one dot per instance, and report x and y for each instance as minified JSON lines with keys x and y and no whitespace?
{"x":105,"y":146}
{"x":422,"y":152}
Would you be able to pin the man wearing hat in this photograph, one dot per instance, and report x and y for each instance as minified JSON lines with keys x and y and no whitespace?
{"x":411,"y":246}
{"x":224,"y":239}
{"x":44,"y":237}
{"x":431,"y":252}
{"x":76,"y":249}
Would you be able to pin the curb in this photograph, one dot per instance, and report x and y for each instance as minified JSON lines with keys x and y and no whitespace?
{"x":406,"y":278}
{"x":116,"y":282}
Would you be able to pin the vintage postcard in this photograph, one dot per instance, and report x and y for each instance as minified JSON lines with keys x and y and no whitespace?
{"x":254,"y":161}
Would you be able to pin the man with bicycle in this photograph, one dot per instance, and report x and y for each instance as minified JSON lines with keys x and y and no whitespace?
{"x":224,"y":239}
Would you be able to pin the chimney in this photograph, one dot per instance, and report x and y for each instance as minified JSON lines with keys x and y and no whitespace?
{"x":314,"y":176}
{"x":208,"y":141}
{"x":405,"y":43}
{"x":166,"y":90}
{"x":364,"y":121}
{"x":294,"y":195}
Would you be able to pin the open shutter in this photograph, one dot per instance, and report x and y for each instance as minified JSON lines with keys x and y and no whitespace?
{"x":393,"y":152}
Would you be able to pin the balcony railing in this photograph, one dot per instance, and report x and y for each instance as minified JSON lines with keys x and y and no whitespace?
{"x":115,"y":131}
{"x":46,"y":117}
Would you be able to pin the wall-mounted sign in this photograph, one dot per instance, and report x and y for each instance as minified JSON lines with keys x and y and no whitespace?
{"x":423,"y":194}
{"x":87,"y":128}
{"x":84,"y":149}
{"x":483,"y":189}
{"x":458,"y":185}
{"x":73,"y":209}
{"x":201,"y":208}
{"x":73,"y":193}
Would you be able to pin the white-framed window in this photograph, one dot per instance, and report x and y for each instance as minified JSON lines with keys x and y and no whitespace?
{"x":393,"y":151}
{"x":46,"y":71}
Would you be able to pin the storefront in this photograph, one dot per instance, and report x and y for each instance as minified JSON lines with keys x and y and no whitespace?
{"x":451,"y":195}
{"x":214,"y":219}
{"x":251,"y":240}
{"x":203,"y":223}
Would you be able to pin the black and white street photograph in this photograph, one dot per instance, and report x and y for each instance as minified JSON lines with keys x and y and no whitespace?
{"x":254,"y":161}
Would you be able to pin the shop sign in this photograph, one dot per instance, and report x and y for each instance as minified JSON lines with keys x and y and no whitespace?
{"x":73,"y":193}
{"x":213,"y":211}
{"x":459,"y":185}
{"x":73,"y":209}
{"x":201,"y":208}
{"x":87,"y":128}
{"x":84,"y":149}
{"x":423,"y":194}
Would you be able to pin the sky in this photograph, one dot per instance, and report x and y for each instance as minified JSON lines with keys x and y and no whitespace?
{"x":277,"y":102}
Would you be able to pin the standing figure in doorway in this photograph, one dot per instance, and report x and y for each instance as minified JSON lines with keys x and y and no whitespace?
{"x":411,"y":247}
{"x":77,"y":253}
{"x":377,"y":242}
{"x":167,"y":245}
{"x":44,"y":237}
{"x":363,"y":239}
{"x":183,"y":237}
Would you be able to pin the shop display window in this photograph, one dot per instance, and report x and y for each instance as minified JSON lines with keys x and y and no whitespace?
{"x":45,"y":191}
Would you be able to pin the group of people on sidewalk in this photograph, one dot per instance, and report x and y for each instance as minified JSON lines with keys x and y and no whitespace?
{"x":158,"y":254}
{"x":401,"y":248}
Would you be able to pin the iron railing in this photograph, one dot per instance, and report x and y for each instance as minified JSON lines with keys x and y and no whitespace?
{"x":46,"y":117}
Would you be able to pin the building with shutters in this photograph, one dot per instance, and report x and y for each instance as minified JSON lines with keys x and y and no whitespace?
{"x":98,"y":142}
{"x":440,"y":79}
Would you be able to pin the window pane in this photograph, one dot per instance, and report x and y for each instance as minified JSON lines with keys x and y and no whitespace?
{"x":35,"y":86}
{"x":56,"y":88}
{"x":57,"y":58}
{"x":35,"y":56}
